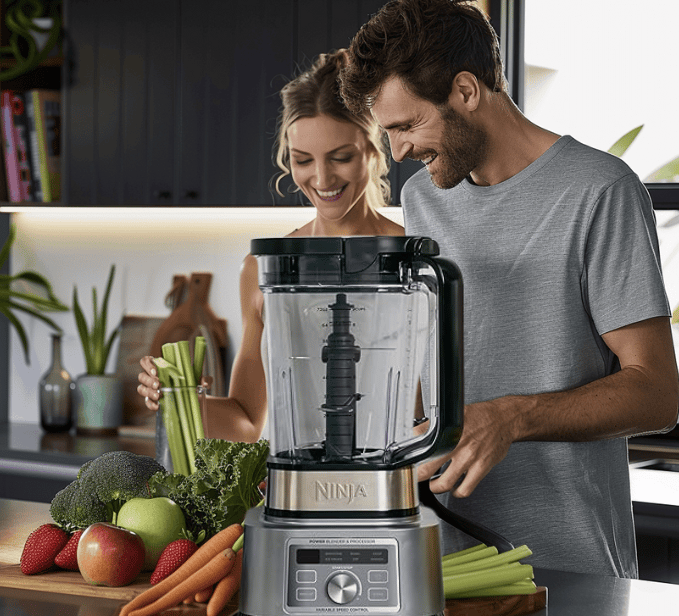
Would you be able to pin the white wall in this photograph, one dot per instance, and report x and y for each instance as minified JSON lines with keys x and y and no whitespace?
{"x":76,"y":246}
{"x":598,"y":69}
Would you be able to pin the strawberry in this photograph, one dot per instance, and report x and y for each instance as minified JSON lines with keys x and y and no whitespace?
{"x":41,"y":547}
{"x":67,"y":558}
{"x":172,"y":557}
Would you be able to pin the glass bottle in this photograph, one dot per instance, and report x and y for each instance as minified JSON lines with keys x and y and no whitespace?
{"x":56,"y":386}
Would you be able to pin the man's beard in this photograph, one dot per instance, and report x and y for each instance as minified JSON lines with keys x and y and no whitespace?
{"x":463,"y":148}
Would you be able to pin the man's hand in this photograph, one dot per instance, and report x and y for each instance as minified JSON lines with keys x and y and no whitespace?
{"x":641,"y":397}
{"x":486,"y":437}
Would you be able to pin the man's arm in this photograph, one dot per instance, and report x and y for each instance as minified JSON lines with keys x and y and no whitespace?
{"x":642,"y":397}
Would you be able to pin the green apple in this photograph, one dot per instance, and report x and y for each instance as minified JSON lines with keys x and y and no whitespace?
{"x":158,"y":521}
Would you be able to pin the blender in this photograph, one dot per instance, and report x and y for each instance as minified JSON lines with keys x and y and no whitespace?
{"x":362,"y":349}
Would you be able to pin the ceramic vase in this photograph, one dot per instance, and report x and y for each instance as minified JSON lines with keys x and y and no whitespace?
{"x":56,"y":393}
{"x":98,"y":403}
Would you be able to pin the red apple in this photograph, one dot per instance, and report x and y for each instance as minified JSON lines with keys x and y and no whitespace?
{"x":109,"y":555}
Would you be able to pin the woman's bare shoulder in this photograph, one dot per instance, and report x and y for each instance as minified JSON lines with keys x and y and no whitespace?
{"x":389,"y":227}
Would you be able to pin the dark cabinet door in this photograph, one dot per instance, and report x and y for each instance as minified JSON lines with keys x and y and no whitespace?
{"x":174,"y":102}
{"x":120,"y":102}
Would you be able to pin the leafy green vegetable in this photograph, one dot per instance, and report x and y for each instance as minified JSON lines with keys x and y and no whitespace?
{"x":223,"y":487}
{"x":101,"y":488}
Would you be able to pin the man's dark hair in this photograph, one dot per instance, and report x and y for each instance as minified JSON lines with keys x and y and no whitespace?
{"x":425,"y":43}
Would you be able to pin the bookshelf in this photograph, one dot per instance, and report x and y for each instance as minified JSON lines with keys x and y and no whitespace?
{"x":46,"y":75}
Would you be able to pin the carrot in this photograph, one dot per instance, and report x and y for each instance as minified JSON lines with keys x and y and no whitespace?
{"x":201,"y":596}
{"x":219,"y":567}
{"x":202,"y":556}
{"x":204,"y":595}
{"x":226,"y":588}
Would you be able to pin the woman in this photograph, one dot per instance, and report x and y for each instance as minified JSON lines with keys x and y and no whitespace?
{"x":338,"y":160}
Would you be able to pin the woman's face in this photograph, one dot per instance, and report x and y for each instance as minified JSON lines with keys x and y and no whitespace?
{"x":329,"y":161}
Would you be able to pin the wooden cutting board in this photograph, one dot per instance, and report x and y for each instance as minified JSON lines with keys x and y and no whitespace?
{"x":72,"y":583}
{"x":69,"y":583}
{"x":514,"y":605}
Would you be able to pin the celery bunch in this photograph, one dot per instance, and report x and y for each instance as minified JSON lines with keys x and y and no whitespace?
{"x":480,"y":571}
{"x":181,"y":412}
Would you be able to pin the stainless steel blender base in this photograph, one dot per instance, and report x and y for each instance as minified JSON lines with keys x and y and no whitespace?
{"x":381,"y":567}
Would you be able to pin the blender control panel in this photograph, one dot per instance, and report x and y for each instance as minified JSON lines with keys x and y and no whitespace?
{"x":356,"y":575}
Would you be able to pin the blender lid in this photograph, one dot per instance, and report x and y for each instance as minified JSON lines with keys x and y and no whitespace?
{"x":372,"y":245}
{"x":332,"y":260}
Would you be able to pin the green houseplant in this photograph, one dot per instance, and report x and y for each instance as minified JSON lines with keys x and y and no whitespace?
{"x":98,"y":395}
{"x":15,"y":299}
{"x":95,"y":344}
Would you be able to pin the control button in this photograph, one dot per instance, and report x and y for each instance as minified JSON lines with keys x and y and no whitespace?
{"x":343,"y":587}
{"x":378,"y":576}
{"x":306,"y":576}
{"x":378,"y":594}
{"x":306,"y":594}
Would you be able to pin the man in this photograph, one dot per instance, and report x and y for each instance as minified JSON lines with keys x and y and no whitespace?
{"x":567,"y":337}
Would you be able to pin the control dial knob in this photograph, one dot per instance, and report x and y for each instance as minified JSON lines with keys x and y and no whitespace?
{"x":343,"y":587}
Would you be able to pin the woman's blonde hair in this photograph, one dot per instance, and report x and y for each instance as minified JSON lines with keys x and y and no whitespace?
{"x":316,"y":92}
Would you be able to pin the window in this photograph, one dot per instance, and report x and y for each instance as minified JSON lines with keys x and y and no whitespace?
{"x":597,"y":69}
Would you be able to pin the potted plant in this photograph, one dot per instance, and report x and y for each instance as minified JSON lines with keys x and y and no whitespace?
{"x":99,"y":406}
{"x":21,"y":299}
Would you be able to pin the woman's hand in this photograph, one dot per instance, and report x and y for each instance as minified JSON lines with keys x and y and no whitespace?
{"x":149,"y":384}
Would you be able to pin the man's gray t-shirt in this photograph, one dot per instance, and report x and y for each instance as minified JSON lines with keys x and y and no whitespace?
{"x":553,"y":257}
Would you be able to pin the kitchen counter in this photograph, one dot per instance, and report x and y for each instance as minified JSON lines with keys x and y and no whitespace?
{"x":569,"y":594}
{"x":655,"y":492}
{"x":35,"y":465}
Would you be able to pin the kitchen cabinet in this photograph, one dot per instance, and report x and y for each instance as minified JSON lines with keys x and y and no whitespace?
{"x":174,"y":102}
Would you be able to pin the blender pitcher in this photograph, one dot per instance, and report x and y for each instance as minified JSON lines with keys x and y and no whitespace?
{"x":354,"y":328}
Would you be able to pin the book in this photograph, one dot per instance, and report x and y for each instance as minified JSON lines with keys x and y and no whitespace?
{"x":36,"y":192}
{"x":46,"y":113}
{"x":16,"y":148}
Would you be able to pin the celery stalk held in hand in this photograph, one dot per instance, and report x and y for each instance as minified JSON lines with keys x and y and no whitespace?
{"x":191,"y":381}
{"x":170,"y":353}
{"x":182,"y":415}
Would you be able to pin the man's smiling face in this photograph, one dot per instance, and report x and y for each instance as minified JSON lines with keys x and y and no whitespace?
{"x":449,"y":146}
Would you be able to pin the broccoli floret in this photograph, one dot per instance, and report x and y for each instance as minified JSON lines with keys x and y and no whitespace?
{"x":73,"y":508}
{"x":101,"y":488}
{"x":118,"y":476}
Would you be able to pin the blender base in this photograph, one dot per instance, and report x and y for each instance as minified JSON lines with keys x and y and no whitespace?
{"x":379,"y":567}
